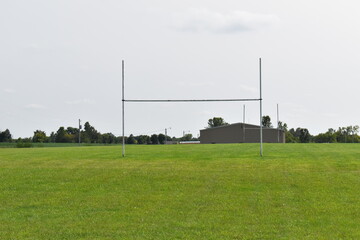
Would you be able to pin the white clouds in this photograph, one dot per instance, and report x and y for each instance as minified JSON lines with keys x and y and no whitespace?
{"x":9,"y":90}
{"x":249,"y":89}
{"x":203,"y":20}
{"x":79,"y":101}
{"x":35,"y":106}
{"x":195,"y":84}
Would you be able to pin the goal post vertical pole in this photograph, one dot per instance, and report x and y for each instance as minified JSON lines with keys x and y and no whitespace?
{"x":123,"y":109}
{"x":261,"y":127}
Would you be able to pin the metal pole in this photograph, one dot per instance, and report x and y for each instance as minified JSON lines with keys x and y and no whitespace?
{"x":244,"y":123}
{"x":165,"y":135}
{"x":261,"y":128}
{"x":123,"y":111}
{"x":278,"y":129}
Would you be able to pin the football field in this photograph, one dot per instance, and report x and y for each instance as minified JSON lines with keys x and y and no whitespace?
{"x":220,"y":191}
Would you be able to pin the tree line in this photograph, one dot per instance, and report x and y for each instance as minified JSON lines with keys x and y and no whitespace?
{"x":347,"y":134}
{"x":90,"y":135}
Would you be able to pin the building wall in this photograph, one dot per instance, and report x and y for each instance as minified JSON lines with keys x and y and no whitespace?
{"x":234,"y":133}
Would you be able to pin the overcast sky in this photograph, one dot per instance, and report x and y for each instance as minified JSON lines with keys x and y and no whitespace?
{"x":60,"y":60}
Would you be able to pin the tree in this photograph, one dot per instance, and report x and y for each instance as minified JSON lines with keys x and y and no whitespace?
{"x":39,"y":136}
{"x":325,"y":138}
{"x":72,"y":131}
{"x":266,"y":121}
{"x":131,"y":140}
{"x":328,"y":137}
{"x":52,"y":137}
{"x":143,"y":139}
{"x":90,"y":134}
{"x":344,"y":134}
{"x":161,"y":138}
{"x":290,"y":138}
{"x":289,"y":134}
{"x":61,"y":135}
{"x":5,"y":136}
{"x":282,"y":126}
{"x":216,"y":122}
{"x":154,"y":139}
{"x":187,"y":137}
{"x":304,"y":135}
{"x":108,"y":138}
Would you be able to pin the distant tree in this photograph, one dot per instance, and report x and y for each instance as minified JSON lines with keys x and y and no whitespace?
{"x":52,"y":137}
{"x":161,"y":138}
{"x":292,"y":131}
{"x":5,"y":136}
{"x":355,"y":131}
{"x":72,"y":131}
{"x":304,"y":135}
{"x":290,"y":138}
{"x":187,"y":137}
{"x":143,"y":139}
{"x":328,"y":137}
{"x":341,"y":135}
{"x":282,"y":126}
{"x":154,"y":139}
{"x":347,"y":134}
{"x":91,"y":135}
{"x":131,"y":140}
{"x":325,"y":138}
{"x":289,"y":134}
{"x":39,"y":136}
{"x":108,"y":138}
{"x":266,"y":121}
{"x":62,"y":136}
{"x":216,"y":122}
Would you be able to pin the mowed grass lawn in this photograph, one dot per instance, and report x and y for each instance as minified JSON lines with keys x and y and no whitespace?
{"x":296,"y":191}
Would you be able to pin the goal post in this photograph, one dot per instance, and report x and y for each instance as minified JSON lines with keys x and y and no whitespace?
{"x":188,"y":101}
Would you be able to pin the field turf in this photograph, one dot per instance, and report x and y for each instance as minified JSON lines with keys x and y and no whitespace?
{"x":296,"y":191}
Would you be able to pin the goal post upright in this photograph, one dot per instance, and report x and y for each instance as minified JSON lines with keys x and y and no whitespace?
{"x":261,"y":127}
{"x":123,"y":108}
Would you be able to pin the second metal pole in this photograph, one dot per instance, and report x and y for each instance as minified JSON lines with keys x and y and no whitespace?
{"x":261,"y":128}
{"x":244,"y":124}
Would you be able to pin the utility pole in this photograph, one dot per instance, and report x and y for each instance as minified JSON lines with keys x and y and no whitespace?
{"x":166,"y":134}
{"x":244,"y":124}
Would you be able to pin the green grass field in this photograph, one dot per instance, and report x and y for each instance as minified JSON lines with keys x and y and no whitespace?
{"x":296,"y":191}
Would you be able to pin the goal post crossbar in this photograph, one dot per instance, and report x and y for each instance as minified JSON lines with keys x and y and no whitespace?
{"x":187,"y":101}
